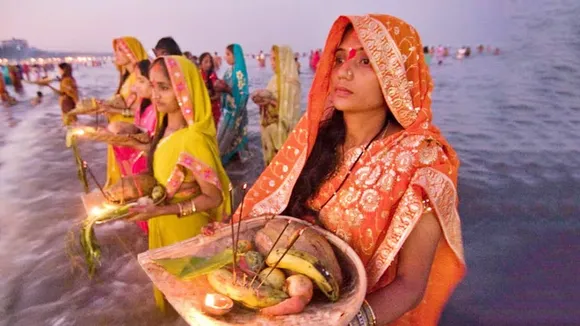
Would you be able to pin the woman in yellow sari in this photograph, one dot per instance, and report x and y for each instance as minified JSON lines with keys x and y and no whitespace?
{"x":185,"y":157}
{"x":367,"y":163}
{"x":280,"y":106}
{"x":128,"y":52}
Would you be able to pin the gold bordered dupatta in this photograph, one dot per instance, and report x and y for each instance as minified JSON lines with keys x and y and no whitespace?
{"x":394,"y":48}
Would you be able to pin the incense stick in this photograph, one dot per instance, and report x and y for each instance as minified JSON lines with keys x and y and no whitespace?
{"x":239,"y":227}
{"x":293,"y":240}
{"x":271,"y":249}
{"x":86,"y":167}
{"x":233,"y":234}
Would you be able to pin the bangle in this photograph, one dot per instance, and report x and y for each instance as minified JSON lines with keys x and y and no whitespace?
{"x":370,"y":314}
{"x":427,"y":206}
{"x":180,"y":209}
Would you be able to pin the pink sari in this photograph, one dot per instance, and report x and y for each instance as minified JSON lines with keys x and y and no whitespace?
{"x":133,"y":161}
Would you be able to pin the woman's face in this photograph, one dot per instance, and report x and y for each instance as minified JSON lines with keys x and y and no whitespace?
{"x":163,"y":96}
{"x":121,"y":58}
{"x":206,"y":63}
{"x":354,"y":83}
{"x":229,"y":57}
{"x":60,"y":71}
{"x":273,"y":58}
{"x":143,"y":85}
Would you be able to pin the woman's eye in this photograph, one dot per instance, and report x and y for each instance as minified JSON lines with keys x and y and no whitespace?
{"x":365,"y":61}
{"x":338,"y":61}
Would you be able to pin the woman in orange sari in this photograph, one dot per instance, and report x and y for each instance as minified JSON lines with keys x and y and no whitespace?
{"x":68,"y":92}
{"x":367,"y":163}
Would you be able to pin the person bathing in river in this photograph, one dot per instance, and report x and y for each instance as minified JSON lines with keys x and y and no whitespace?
{"x":367,"y":164}
{"x":68,"y":92}
{"x":183,"y":157}
{"x":5,"y":97}
{"x":38,"y":99}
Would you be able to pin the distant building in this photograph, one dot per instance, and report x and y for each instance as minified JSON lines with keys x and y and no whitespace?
{"x":15,"y":44}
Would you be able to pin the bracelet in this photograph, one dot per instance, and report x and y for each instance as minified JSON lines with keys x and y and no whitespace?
{"x":362,"y":318}
{"x":370,"y":314}
{"x":180,"y":209}
{"x":427,"y":206}
{"x":185,"y":211}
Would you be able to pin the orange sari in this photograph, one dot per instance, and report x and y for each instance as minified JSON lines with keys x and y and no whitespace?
{"x":381,"y":200}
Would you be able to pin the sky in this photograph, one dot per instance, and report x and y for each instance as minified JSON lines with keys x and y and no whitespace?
{"x":198,"y":25}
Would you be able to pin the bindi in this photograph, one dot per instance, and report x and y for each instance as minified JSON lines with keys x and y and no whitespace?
{"x":351,"y":53}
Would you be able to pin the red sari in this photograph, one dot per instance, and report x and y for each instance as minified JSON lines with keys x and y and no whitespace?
{"x":380,"y":201}
{"x":216,"y":103}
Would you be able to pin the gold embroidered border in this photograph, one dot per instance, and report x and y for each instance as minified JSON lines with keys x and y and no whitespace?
{"x":389,"y":66}
{"x":441,"y":191}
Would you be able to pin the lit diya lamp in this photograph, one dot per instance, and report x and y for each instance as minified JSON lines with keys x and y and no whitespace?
{"x":82,"y":131}
{"x":217,"y":304}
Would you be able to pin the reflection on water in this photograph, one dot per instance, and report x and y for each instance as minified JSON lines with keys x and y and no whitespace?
{"x":513,"y":119}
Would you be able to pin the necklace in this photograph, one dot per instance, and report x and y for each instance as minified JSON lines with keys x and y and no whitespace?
{"x":379,"y":135}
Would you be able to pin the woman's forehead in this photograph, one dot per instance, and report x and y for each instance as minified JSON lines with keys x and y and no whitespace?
{"x":350,"y":40}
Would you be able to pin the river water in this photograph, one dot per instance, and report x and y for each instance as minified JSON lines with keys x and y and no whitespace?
{"x":513,"y":118}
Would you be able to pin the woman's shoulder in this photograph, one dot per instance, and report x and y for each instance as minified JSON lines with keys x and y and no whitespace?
{"x":413,"y":151}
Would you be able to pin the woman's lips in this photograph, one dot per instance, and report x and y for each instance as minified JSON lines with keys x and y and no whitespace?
{"x":342,"y":92}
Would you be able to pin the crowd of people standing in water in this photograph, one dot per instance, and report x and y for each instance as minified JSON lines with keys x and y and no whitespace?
{"x":365,"y":161}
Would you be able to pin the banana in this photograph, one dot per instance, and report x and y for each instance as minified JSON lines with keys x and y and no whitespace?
{"x":304,"y":263}
{"x":221,"y":280}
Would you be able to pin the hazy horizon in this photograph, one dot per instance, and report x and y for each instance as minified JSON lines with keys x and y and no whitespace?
{"x":69,"y":25}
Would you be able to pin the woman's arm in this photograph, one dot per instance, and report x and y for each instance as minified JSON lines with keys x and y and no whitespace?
{"x":211,"y":197}
{"x":56,"y":90}
{"x":415,"y":260}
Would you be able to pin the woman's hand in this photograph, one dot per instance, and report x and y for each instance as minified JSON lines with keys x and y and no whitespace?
{"x":259,"y":100}
{"x":212,"y":227}
{"x":144,"y":213}
{"x":222,"y":86}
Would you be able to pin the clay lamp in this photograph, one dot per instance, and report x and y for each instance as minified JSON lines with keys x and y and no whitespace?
{"x":217,"y":304}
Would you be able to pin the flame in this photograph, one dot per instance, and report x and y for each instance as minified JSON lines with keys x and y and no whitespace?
{"x":96,"y":211}
{"x":210,"y":300}
{"x":104,"y":209}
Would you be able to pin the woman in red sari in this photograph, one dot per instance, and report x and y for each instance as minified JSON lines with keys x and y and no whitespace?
{"x":367,"y":163}
{"x":210,"y":78}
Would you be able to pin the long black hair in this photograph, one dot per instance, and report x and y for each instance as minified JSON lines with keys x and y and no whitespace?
{"x":161,"y":131}
{"x":143,"y":67}
{"x":208,"y":82}
{"x":320,"y":166}
{"x":168,"y":44}
{"x":66,"y":69}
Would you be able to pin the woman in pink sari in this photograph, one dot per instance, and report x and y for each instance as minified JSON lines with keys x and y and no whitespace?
{"x":133,"y":160}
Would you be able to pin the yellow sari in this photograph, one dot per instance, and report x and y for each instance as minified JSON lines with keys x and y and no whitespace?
{"x":187,"y":152}
{"x":277,"y":121}
{"x":135,"y":51}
